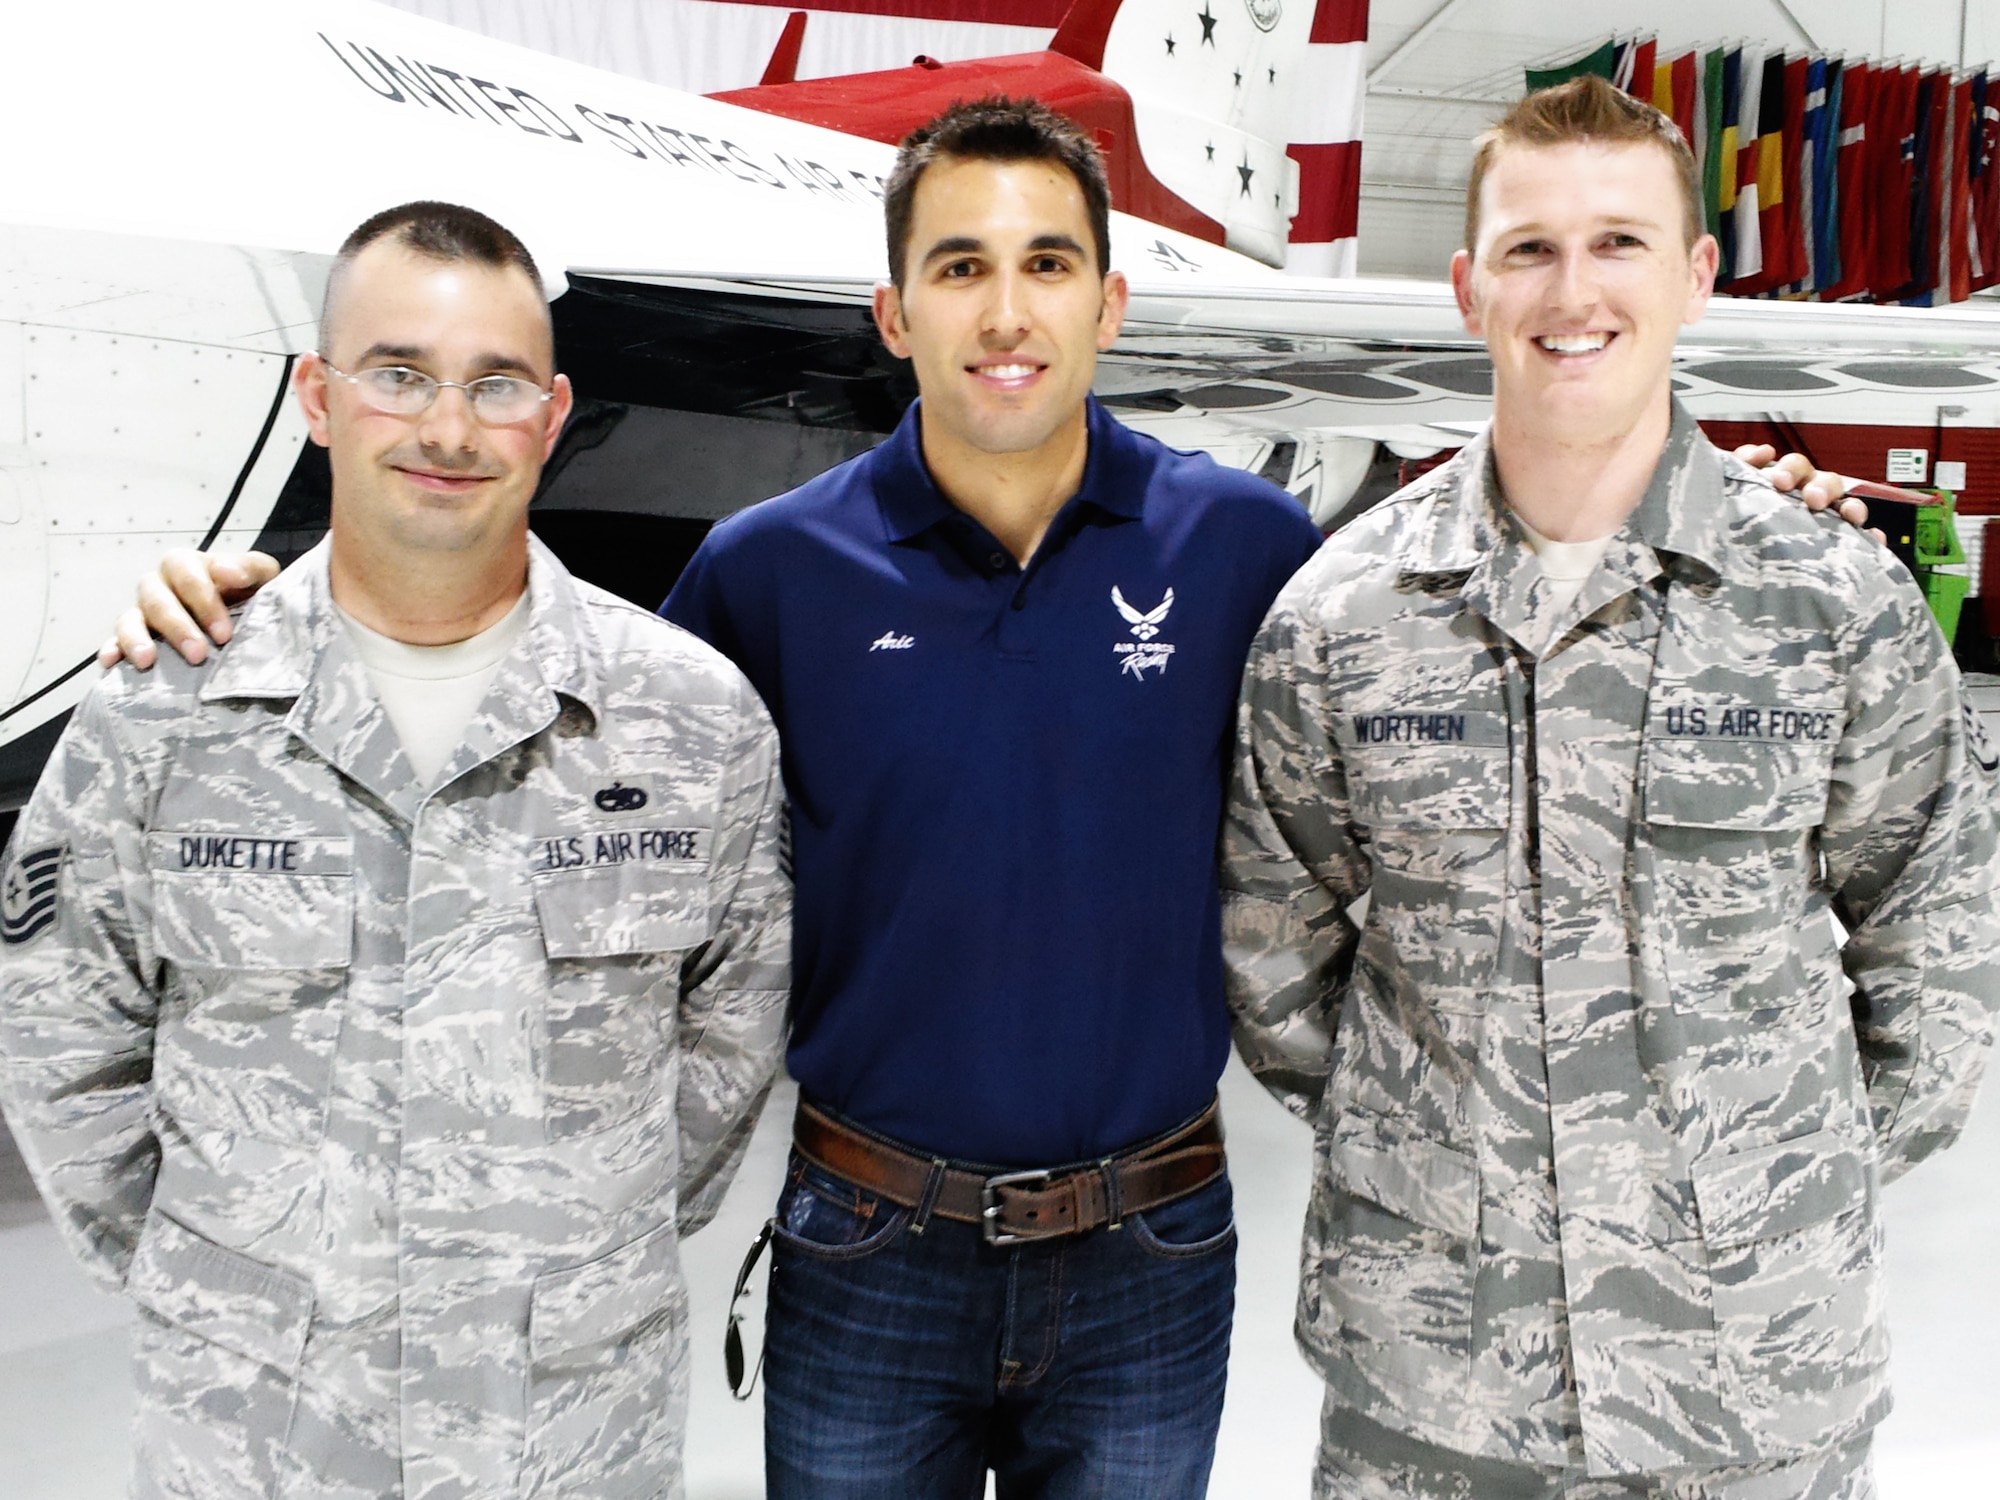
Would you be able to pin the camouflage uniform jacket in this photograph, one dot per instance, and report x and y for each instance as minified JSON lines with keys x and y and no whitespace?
{"x":1599,"y":1129}
{"x":386,"y":1104}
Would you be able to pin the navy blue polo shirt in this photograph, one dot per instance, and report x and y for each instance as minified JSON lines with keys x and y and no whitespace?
{"x":1006,"y":785}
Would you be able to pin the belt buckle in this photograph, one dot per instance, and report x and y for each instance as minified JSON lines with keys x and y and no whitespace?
{"x":990,"y":1207}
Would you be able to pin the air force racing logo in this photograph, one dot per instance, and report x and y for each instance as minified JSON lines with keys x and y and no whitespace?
{"x":1265,"y":14}
{"x":1146,"y":653}
{"x":1144,"y":626}
{"x":28,"y":894}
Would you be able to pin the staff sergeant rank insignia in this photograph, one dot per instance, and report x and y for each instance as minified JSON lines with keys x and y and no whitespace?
{"x":28,"y":894}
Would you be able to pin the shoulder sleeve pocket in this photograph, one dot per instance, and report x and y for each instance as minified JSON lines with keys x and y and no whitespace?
{"x":221,"y":1295}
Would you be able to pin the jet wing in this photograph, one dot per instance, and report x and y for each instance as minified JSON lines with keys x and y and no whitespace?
{"x":1379,"y":358}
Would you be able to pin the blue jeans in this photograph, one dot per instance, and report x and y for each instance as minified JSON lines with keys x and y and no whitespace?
{"x":903,"y":1366}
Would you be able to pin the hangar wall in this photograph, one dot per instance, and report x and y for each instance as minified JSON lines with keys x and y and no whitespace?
{"x":1439,"y":71}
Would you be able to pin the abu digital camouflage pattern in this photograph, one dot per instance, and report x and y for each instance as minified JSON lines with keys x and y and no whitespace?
{"x":386,"y":1119}
{"x":1361,"y":1460}
{"x":1599,"y":1127}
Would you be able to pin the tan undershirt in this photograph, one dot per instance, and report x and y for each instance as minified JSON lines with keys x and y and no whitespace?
{"x":1566,"y":565}
{"x":431,"y":692}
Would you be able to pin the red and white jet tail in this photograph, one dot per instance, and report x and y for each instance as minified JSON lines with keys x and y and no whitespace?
{"x":1239,"y":122}
{"x":1250,"y":110}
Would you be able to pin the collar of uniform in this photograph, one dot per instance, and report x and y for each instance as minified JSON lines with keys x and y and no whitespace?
{"x":291,"y":646}
{"x":280,"y":635}
{"x":1468,"y":530}
{"x":1459,"y":526}
{"x":911,"y":502}
{"x":285,"y":631}
{"x":1680,"y":512}
{"x":561,"y":660}
{"x":1465,"y":521}
{"x":559,"y":632}
{"x":1474,"y":534}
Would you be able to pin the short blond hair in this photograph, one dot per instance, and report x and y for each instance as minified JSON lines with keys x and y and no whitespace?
{"x":1583,"y":109}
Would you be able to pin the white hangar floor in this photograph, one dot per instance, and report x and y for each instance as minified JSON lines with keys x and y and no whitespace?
{"x":65,"y":1391}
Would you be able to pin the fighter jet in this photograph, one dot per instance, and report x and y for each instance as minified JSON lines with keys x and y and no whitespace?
{"x":179,"y":176}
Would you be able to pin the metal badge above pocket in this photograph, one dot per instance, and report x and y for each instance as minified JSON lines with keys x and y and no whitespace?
{"x":623,"y":865}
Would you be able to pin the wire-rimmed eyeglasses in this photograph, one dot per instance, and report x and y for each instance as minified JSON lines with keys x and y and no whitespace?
{"x":495,"y":400}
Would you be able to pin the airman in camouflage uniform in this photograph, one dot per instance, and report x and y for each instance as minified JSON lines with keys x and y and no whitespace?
{"x":388,"y":1100}
{"x":1602,"y":1103}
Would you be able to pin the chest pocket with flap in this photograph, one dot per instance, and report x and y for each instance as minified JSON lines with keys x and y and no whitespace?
{"x":615,"y":935}
{"x":1431,"y":792}
{"x":257,"y":933}
{"x":1726,"y":862}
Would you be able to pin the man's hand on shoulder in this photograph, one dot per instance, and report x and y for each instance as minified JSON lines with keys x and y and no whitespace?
{"x":188,"y":594}
{"x":1821,"y":489}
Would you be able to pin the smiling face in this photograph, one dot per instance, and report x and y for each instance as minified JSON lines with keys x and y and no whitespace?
{"x":439,"y":482}
{"x":1581,"y":279}
{"x":1002,"y":310}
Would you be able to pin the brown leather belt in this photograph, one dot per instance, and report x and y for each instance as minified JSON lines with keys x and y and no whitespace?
{"x":1011,"y":1207}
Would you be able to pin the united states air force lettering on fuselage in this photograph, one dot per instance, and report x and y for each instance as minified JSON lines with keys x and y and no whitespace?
{"x":622,"y":847}
{"x":399,"y":79}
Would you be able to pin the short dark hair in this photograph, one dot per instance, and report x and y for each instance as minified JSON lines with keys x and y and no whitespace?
{"x":441,"y":231}
{"x":1586,"y":108}
{"x":996,"y":129}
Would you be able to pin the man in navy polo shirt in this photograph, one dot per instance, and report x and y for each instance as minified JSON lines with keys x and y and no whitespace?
{"x":1003,"y":651}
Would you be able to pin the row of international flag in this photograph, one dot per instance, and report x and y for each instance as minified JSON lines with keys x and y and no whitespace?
{"x":1829,"y":178}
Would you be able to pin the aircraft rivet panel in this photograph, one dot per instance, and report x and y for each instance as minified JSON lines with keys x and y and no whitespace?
{"x":133,"y":445}
{"x":138,"y":434}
